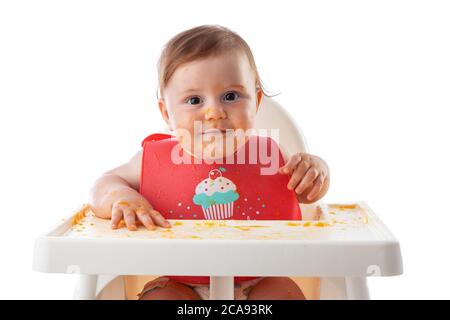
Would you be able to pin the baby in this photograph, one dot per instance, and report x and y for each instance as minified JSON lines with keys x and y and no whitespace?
{"x":209,"y":94}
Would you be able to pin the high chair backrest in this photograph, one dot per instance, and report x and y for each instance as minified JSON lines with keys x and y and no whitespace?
{"x":271,"y":115}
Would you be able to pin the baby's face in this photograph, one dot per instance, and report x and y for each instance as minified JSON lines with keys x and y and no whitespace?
{"x":204,"y":98}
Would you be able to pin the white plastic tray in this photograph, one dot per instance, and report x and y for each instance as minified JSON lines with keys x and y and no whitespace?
{"x":347,"y":240}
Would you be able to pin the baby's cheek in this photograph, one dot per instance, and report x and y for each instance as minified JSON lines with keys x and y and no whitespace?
{"x":245,"y":121}
{"x":183,"y":119}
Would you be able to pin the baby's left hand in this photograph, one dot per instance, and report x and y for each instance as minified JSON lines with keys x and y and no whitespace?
{"x":310,"y":176}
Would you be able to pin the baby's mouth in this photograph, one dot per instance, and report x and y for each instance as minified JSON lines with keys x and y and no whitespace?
{"x":214,"y":131}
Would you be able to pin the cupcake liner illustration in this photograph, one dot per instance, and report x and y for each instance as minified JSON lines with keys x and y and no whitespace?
{"x":216,"y":195}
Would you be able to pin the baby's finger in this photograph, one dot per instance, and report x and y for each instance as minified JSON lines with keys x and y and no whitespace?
{"x":159,"y":219}
{"x":290,"y":166}
{"x":298,"y":174}
{"x":145,"y":218}
{"x":116,"y":216}
{"x":307,"y":180}
{"x":129,"y":217}
{"x":317,"y":187}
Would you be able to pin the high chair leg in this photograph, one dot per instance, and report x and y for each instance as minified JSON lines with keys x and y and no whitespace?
{"x":86,"y":288}
{"x":221,"y":288}
{"x":356,"y":288}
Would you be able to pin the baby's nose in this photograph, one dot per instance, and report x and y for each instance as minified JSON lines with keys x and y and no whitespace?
{"x":214,"y":112}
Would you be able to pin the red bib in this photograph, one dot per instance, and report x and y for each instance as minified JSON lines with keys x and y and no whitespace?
{"x":246,"y":186}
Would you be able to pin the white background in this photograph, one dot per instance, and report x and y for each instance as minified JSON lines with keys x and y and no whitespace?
{"x":367,"y":81}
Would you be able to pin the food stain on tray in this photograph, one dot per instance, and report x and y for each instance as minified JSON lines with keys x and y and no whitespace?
{"x":213,"y":223}
{"x":309,"y":224}
{"x":80,"y":214}
{"x":321,"y":224}
{"x":247,"y":228}
{"x":294,"y":224}
{"x":344,"y":206}
{"x":334,"y":217}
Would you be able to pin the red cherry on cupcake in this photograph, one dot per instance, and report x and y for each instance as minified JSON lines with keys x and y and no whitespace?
{"x":214,"y":174}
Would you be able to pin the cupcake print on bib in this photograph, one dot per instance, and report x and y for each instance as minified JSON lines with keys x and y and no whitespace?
{"x":216,"y":195}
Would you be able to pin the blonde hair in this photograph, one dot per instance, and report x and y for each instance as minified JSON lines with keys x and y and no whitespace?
{"x":200,"y":42}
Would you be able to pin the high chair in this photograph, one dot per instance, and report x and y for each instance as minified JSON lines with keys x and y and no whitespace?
{"x":329,"y":254}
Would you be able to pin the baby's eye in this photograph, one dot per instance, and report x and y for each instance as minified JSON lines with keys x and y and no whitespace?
{"x":194,"y":100}
{"x":231,"y":96}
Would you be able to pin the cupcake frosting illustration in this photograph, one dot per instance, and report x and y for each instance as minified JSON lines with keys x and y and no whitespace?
{"x":216,"y":195}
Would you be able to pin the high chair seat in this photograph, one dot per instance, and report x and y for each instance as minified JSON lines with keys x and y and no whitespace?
{"x":329,"y":253}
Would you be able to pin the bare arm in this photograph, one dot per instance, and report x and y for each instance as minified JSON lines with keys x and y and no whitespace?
{"x":111,"y":183}
{"x":115,"y":195}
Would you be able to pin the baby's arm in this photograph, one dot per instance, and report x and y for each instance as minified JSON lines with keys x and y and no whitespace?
{"x":115,"y":196}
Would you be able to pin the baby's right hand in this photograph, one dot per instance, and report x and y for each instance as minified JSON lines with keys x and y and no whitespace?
{"x":131,"y":205}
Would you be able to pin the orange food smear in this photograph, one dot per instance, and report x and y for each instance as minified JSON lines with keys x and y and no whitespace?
{"x":214,"y":223}
{"x":346,"y":206}
{"x":249,"y":227}
{"x":121,"y":224}
{"x":309,"y":224}
{"x":322,"y":224}
{"x":294,"y":224}
{"x":258,"y":226}
{"x":80,"y":214}
{"x":140,"y":210}
{"x":242,"y":228}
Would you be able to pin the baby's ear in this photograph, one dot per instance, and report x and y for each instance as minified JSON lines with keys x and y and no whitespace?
{"x":259,"y":97}
{"x":163,"y":109}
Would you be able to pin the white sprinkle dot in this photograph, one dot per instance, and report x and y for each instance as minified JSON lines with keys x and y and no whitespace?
{"x":257,"y":212}
{"x":245,"y":199}
{"x":179,"y":204}
{"x":188,"y":207}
